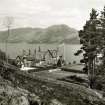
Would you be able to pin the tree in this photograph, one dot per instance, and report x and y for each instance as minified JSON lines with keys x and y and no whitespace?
{"x":89,"y":40}
{"x":102,"y":29}
{"x":93,"y":14}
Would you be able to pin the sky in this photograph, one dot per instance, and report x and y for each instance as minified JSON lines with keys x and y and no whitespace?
{"x":43,"y":13}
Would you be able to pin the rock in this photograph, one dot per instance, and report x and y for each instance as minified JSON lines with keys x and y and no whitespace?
{"x":34,"y":100}
{"x":55,"y":102}
{"x":22,"y":100}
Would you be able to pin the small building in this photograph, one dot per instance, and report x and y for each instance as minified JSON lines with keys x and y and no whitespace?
{"x":25,"y":61}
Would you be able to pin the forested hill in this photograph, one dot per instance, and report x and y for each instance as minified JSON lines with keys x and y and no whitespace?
{"x":53,"y":34}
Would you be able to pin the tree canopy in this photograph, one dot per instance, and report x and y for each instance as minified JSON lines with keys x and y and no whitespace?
{"x":92,"y":38}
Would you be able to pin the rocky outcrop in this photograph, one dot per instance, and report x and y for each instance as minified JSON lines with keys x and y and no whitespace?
{"x":10,"y":95}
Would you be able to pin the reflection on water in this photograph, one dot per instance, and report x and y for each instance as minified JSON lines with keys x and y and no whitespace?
{"x":67,"y":50}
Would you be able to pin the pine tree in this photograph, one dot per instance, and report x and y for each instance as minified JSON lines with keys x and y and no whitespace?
{"x":88,"y":39}
{"x":92,"y":38}
{"x":102,"y":29}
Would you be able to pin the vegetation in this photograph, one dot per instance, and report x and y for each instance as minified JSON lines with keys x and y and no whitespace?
{"x":52,"y":34}
{"x":49,"y":90}
{"x":92,"y":38}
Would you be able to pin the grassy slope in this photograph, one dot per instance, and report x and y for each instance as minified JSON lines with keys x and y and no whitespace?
{"x":49,"y":89}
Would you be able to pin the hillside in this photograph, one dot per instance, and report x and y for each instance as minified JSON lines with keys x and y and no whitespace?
{"x":53,"y":34}
{"x":23,"y":88}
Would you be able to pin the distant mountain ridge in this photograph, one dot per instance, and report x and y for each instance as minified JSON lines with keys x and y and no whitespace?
{"x":53,"y":34}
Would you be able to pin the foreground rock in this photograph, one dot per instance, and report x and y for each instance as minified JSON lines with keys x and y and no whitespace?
{"x":10,"y":95}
